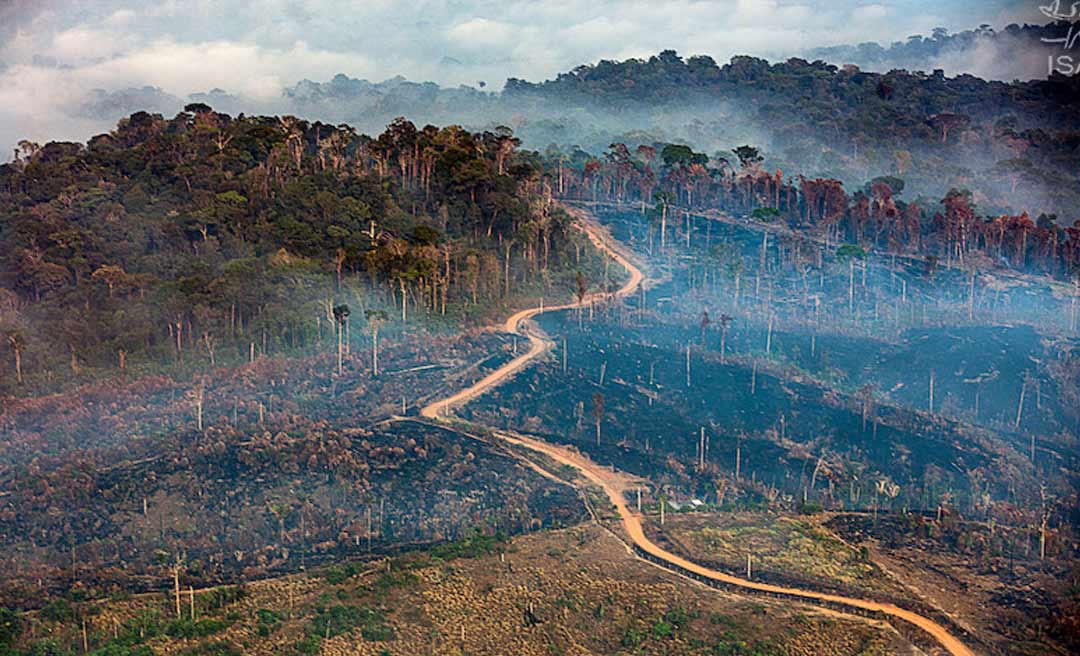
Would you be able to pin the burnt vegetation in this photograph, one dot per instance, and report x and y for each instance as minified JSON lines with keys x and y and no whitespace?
{"x":214,"y":326}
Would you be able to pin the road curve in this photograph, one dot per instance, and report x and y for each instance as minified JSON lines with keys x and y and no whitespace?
{"x":616,"y":484}
{"x":537,"y":345}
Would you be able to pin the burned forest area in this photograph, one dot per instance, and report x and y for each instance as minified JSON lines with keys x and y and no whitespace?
{"x":270,"y":385}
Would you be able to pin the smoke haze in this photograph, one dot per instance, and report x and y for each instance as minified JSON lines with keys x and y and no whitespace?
{"x":71,"y":69}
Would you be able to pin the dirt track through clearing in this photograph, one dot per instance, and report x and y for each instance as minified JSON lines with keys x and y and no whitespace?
{"x":616,"y":484}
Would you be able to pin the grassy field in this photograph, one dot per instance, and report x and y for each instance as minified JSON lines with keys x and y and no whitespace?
{"x":795,"y":547}
{"x":962,"y":570}
{"x":575,"y":591}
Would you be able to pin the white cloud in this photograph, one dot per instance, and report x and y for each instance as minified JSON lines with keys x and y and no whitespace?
{"x":869,"y":13}
{"x":482,"y":34}
{"x":81,"y":45}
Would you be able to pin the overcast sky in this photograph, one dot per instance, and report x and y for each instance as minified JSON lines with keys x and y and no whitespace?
{"x":53,"y":52}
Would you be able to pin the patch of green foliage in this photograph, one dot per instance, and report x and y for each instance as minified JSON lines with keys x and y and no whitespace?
{"x":267,"y":621}
{"x":340,"y":573}
{"x":114,"y":649}
{"x":632,"y":637}
{"x":309,"y":644}
{"x":853,"y":251}
{"x":765,"y":214}
{"x":731,"y":645}
{"x":10,"y":626}
{"x":58,"y":610}
{"x":474,"y":546}
{"x":662,"y":629}
{"x":42,"y":648}
{"x":213,"y":649}
{"x":340,"y":619}
{"x":225,"y":595}
{"x":678,"y":616}
{"x":394,"y":579}
{"x":188,"y":628}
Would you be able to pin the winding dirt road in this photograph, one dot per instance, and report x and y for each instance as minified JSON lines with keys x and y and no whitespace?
{"x":538,"y":344}
{"x":615,"y":485}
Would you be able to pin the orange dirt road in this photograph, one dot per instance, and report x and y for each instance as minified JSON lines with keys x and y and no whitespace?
{"x":615,"y":485}
{"x":538,"y":345}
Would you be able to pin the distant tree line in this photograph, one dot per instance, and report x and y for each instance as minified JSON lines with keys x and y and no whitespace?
{"x":670,"y":179}
{"x":1013,"y":145}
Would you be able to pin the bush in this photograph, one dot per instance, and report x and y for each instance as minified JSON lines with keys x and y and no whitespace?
{"x":43,"y":648}
{"x":394,"y":579}
{"x":677,"y":616}
{"x":765,"y":214}
{"x":223,"y":596}
{"x":339,"y":619}
{"x":309,"y":645}
{"x":343,"y":572}
{"x":58,"y":610}
{"x":213,"y":649}
{"x":118,"y":649}
{"x":187,"y":628}
{"x":10,"y":626}
{"x":662,"y":629}
{"x":474,"y":546}
{"x":851,"y":251}
{"x":632,"y":637}
{"x":267,"y":621}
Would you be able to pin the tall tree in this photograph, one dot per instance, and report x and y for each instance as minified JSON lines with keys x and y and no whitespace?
{"x":375,"y":319}
{"x":341,"y":319}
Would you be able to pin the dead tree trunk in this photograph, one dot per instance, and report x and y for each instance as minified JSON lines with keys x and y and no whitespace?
{"x":1020,"y":411}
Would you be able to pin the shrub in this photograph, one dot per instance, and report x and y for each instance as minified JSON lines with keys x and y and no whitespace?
{"x":474,"y":546}
{"x":117,"y":649}
{"x":340,"y":619}
{"x":213,"y":649}
{"x":394,"y":579}
{"x":186,"y":628}
{"x":225,"y":595}
{"x":58,"y":610}
{"x":851,"y":251}
{"x":662,"y":629}
{"x":343,"y":572}
{"x":309,"y":644}
{"x":677,"y":616}
{"x":266,"y":621}
{"x":10,"y":626}
{"x":632,"y":637}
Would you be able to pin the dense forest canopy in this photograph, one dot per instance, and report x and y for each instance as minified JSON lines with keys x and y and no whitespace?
{"x":1014,"y":145}
{"x":179,"y":235}
{"x":168,"y":237}
{"x":1015,"y":52}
